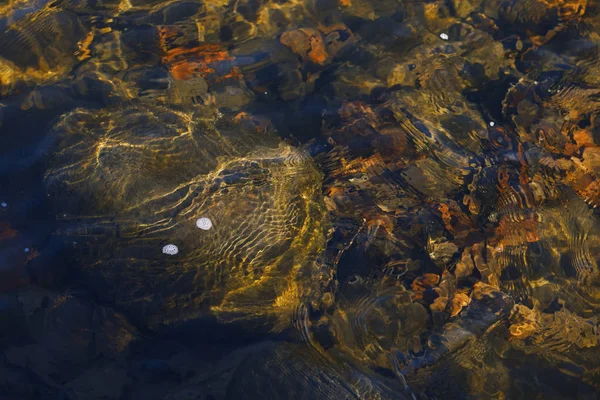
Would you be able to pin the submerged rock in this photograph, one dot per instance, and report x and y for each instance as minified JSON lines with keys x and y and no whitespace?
{"x":128,"y":182}
{"x":38,"y":48}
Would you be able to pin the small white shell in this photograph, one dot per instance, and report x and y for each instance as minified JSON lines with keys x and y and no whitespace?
{"x":204,"y":223}
{"x":492,"y":123}
{"x":170,"y":249}
{"x":444,"y":36}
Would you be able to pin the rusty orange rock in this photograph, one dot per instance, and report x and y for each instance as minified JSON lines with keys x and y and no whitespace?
{"x":297,"y":41}
{"x":455,"y":220}
{"x":317,"y":52}
{"x":439,"y":304}
{"x":459,"y":301}
{"x":583,"y":138}
{"x":513,"y":233}
{"x":423,"y":283}
{"x":317,"y":46}
{"x":306,"y":43}
{"x":187,"y":63}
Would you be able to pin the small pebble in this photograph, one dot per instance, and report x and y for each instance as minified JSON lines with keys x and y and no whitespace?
{"x":265,"y":92}
{"x":26,"y":249}
{"x":4,"y":205}
{"x":204,"y":223}
{"x":170,"y":249}
{"x":444,"y":36}
{"x":492,"y":123}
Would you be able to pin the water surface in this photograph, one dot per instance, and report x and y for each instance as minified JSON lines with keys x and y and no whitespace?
{"x":307,"y":199}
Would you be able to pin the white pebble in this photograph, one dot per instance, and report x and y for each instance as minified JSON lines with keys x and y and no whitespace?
{"x":204,"y":223}
{"x":170,"y":249}
{"x":444,"y":36}
{"x":492,"y":123}
{"x":4,"y":205}
{"x":266,"y":93}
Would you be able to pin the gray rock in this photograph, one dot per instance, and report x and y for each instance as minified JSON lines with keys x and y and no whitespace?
{"x":100,"y":384}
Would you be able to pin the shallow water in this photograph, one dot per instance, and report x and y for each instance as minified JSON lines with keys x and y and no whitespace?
{"x":320,"y":199}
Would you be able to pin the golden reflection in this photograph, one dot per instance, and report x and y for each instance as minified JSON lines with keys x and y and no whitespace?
{"x":257,"y":262}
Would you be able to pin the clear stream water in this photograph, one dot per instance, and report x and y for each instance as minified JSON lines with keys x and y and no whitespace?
{"x":306,"y":199}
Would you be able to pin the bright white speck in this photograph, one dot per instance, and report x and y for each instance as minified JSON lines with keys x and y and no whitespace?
{"x":204,"y":223}
{"x":4,"y":205}
{"x":492,"y":123}
{"x":26,"y":249}
{"x":444,"y":36}
{"x":170,"y":249}
{"x":265,"y":92}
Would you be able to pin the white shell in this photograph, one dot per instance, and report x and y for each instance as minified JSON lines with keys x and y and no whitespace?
{"x":204,"y":223}
{"x":170,"y":249}
{"x":444,"y":36}
{"x":492,"y":123}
